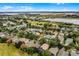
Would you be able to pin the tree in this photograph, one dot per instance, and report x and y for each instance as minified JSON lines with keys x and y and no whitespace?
{"x":53,"y":42}
{"x":45,"y":53}
{"x":28,"y":25}
{"x":18,"y":44}
{"x":45,"y":26}
{"x":21,"y":34}
{"x":42,"y":41}
{"x":30,"y":50}
{"x":31,"y":36}
{"x":75,"y":34}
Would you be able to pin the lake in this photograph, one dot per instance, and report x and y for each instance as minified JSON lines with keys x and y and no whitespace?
{"x":73,"y":21}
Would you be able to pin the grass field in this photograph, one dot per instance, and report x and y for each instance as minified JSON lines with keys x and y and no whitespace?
{"x":40,"y":22}
{"x":11,"y":50}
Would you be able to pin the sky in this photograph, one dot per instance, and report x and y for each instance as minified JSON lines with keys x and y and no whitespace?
{"x":24,"y":7}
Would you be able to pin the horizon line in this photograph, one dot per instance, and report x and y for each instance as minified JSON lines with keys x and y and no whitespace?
{"x":40,"y":11}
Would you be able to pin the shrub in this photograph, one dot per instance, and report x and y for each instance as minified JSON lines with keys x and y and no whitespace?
{"x":3,"y":40}
{"x":18,"y":44}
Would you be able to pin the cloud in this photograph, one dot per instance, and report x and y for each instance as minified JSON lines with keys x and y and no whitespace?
{"x":59,"y":3}
{"x":21,"y":8}
{"x":29,"y":8}
{"x":6,"y":7}
{"x":12,"y":8}
{"x":65,"y":9}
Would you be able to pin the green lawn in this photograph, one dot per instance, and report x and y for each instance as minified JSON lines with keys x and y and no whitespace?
{"x":11,"y":50}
